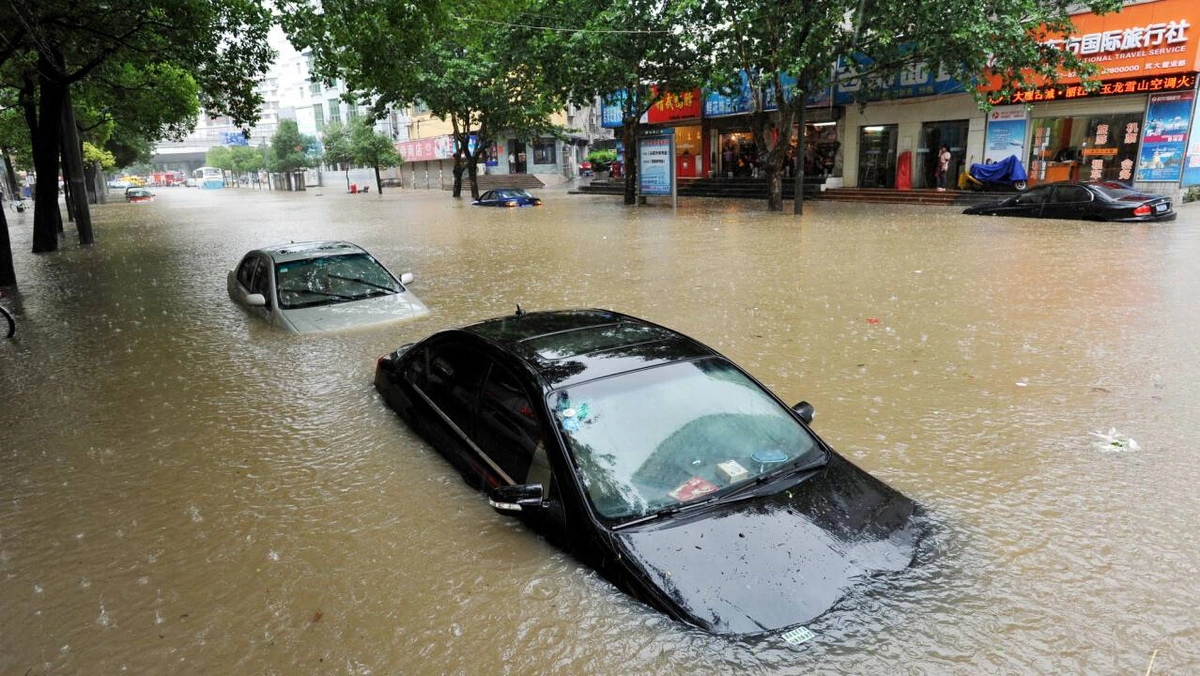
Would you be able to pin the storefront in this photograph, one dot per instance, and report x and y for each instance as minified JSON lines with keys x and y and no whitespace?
{"x":1133,"y":127}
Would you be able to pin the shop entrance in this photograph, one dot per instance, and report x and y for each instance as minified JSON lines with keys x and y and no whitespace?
{"x":516,"y":157}
{"x":877,"y":156}
{"x":934,"y":135}
{"x":689,"y":152}
{"x":737,"y":154}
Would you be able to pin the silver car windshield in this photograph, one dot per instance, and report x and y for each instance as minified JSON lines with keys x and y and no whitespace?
{"x":672,"y":434}
{"x":332,"y":279}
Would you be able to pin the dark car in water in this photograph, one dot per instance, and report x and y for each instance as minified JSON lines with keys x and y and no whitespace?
{"x":1099,"y":201}
{"x":655,"y":460}
{"x":507,"y":197}
{"x":138,"y":195}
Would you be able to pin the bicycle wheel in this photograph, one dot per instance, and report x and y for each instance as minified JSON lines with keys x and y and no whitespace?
{"x":11,"y":328}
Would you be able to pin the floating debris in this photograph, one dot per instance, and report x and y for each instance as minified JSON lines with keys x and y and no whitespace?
{"x":1114,"y":441}
{"x":798,"y":635}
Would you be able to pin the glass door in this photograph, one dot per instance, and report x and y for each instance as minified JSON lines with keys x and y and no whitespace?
{"x":877,"y":156}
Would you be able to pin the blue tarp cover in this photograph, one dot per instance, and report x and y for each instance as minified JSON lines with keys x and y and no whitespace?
{"x":1006,"y":170}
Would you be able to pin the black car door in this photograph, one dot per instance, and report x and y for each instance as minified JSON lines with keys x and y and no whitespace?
{"x":512,"y":431}
{"x":1027,"y":204}
{"x":1068,"y":201}
{"x":446,"y":377}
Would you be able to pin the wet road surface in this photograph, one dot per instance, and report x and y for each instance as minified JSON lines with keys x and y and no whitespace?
{"x":182,"y":489}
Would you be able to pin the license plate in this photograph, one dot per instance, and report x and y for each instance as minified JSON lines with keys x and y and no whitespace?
{"x":1162,"y":207}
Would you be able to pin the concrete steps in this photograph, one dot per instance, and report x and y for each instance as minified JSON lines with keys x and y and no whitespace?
{"x":495,"y":181}
{"x":925,"y":196}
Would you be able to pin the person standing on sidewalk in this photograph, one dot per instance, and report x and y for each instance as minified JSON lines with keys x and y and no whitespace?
{"x":943,"y":167}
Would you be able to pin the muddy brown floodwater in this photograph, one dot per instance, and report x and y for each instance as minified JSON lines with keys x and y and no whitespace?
{"x":183,"y":490}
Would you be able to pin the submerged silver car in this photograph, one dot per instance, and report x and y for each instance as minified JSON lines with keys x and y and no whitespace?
{"x":321,"y":286}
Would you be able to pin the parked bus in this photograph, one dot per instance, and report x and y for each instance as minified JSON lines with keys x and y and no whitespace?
{"x":209,"y":177}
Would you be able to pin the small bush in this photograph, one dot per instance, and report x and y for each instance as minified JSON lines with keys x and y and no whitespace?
{"x":1192,"y":194}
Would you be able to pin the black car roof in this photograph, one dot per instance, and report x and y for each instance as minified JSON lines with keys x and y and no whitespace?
{"x":567,"y":347}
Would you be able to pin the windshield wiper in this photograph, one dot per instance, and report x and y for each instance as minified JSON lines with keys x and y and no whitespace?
{"x":666,"y":512}
{"x":365,"y":282}
{"x":751,"y":489}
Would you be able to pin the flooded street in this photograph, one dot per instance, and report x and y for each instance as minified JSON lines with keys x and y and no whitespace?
{"x":185,"y":490}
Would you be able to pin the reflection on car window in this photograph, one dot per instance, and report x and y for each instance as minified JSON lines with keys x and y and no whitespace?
{"x":246,"y":271}
{"x":1034,"y":196}
{"x":452,"y":377}
{"x":508,"y":430}
{"x":332,"y":279}
{"x":1071,"y":193}
{"x":659,"y":437}
{"x":260,"y":281}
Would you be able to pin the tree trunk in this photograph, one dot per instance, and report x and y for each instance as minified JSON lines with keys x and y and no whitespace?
{"x":630,"y":168}
{"x":801,"y":154}
{"x":473,"y":175}
{"x":8,"y":274}
{"x":458,"y":172}
{"x":46,"y":217}
{"x":10,"y":176}
{"x":378,"y":182}
{"x":774,"y":187}
{"x":347,"y":178}
{"x":73,"y":174}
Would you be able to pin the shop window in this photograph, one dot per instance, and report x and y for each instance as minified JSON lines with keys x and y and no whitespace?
{"x":1085,"y":148}
{"x":544,"y":151}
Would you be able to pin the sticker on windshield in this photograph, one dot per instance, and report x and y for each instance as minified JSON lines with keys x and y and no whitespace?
{"x":798,"y":635}
{"x":572,"y":417}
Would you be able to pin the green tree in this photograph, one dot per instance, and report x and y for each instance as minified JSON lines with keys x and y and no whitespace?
{"x":292,"y":152}
{"x":475,"y":70}
{"x":58,"y":45}
{"x":338,"y":153}
{"x":373,"y":149}
{"x":805,"y":38}
{"x":630,"y":49}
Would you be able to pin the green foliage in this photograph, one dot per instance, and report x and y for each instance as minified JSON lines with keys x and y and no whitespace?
{"x":605,"y":156}
{"x":292,"y":151}
{"x":372,"y":149}
{"x":336,"y":140}
{"x":219,"y":157}
{"x":93,"y":154}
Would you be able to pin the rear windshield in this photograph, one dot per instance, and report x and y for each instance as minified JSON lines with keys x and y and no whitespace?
{"x":1116,"y":191}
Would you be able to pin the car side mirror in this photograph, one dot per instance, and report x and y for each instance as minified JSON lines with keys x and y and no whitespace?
{"x":508,"y":499}
{"x":407,"y":278}
{"x":256,"y":300}
{"x":806,"y":411}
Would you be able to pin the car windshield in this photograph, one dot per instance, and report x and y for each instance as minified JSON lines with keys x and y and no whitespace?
{"x":511,"y":193}
{"x":660,"y":437}
{"x":332,"y":279}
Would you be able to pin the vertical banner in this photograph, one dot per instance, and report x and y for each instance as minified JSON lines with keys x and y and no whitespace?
{"x":1164,"y":137}
{"x":1005,"y":133}
{"x":1191,"y":164}
{"x":656,"y":163}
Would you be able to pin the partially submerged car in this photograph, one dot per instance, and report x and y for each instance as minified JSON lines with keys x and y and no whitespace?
{"x":321,"y":286}
{"x":1098,"y":201}
{"x":657,"y":461}
{"x":138,"y":195}
{"x":507,"y":197}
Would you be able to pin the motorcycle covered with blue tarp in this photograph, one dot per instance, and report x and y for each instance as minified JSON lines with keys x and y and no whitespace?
{"x":1006,"y":174}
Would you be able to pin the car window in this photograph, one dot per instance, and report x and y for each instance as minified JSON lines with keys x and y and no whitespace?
{"x":654,"y":438}
{"x":332,"y":279}
{"x":453,"y":374}
{"x":491,"y":194}
{"x":1071,"y":193}
{"x":1034,"y":196}
{"x":260,"y":281}
{"x":509,"y":431}
{"x":245,"y":271}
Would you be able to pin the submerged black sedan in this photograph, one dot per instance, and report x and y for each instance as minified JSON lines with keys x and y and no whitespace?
{"x":655,"y":460}
{"x":1099,"y":201}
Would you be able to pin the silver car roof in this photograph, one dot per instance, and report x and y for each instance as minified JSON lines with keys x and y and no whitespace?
{"x":295,"y":251}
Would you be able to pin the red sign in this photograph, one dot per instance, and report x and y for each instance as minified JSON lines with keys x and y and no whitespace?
{"x":422,"y":150}
{"x":1137,"y":85}
{"x":674,"y":107}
